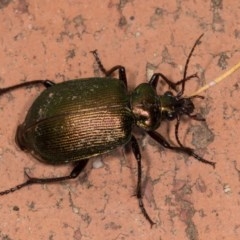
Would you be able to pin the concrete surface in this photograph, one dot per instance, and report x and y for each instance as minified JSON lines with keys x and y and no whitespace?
{"x":187,"y":199}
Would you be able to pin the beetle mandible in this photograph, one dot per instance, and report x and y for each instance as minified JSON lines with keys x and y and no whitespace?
{"x":75,"y":120}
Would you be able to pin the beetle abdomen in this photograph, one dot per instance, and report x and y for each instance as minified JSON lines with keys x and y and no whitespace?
{"x":77,"y":119}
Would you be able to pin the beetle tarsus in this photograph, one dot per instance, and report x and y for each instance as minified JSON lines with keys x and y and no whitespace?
{"x":99,"y":62}
{"x":195,"y":75}
{"x":173,"y":85}
{"x":32,"y":180}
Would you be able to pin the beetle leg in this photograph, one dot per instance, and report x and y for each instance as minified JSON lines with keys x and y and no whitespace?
{"x":155,"y":78}
{"x":121,"y":70}
{"x":195,"y":75}
{"x":160,"y":139}
{"x":46,"y":83}
{"x":31,"y":180}
{"x":154,"y":81}
{"x":99,"y":62}
{"x":137,"y":154}
{"x":176,"y":131}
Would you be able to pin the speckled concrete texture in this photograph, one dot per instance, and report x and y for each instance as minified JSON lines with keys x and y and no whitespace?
{"x":187,"y":199}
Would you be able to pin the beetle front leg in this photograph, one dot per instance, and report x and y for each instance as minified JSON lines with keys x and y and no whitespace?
{"x":121,"y":70}
{"x":155,"y":79}
{"x":31,"y":180}
{"x":137,"y":154}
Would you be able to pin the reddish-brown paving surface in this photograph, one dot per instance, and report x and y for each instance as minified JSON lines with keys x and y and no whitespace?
{"x":187,"y":199}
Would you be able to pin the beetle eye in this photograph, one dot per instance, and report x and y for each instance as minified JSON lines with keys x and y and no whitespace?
{"x":168,"y":94}
{"x":171,"y":115}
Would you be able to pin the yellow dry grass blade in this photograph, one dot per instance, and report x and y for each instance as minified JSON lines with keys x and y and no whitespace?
{"x":217,"y":80}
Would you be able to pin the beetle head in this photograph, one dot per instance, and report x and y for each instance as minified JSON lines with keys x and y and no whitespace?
{"x":173,"y":107}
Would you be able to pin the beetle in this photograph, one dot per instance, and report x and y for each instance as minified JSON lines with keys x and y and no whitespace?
{"x":72,"y":121}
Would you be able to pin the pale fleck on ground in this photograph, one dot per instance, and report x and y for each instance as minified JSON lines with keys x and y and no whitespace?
{"x":186,"y":199}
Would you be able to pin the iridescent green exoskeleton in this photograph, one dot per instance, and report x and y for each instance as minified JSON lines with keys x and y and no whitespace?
{"x":75,"y":120}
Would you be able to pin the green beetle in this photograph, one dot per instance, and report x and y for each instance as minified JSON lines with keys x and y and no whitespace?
{"x":75,"y":120}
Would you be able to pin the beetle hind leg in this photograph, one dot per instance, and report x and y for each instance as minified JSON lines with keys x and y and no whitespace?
{"x":31,"y":180}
